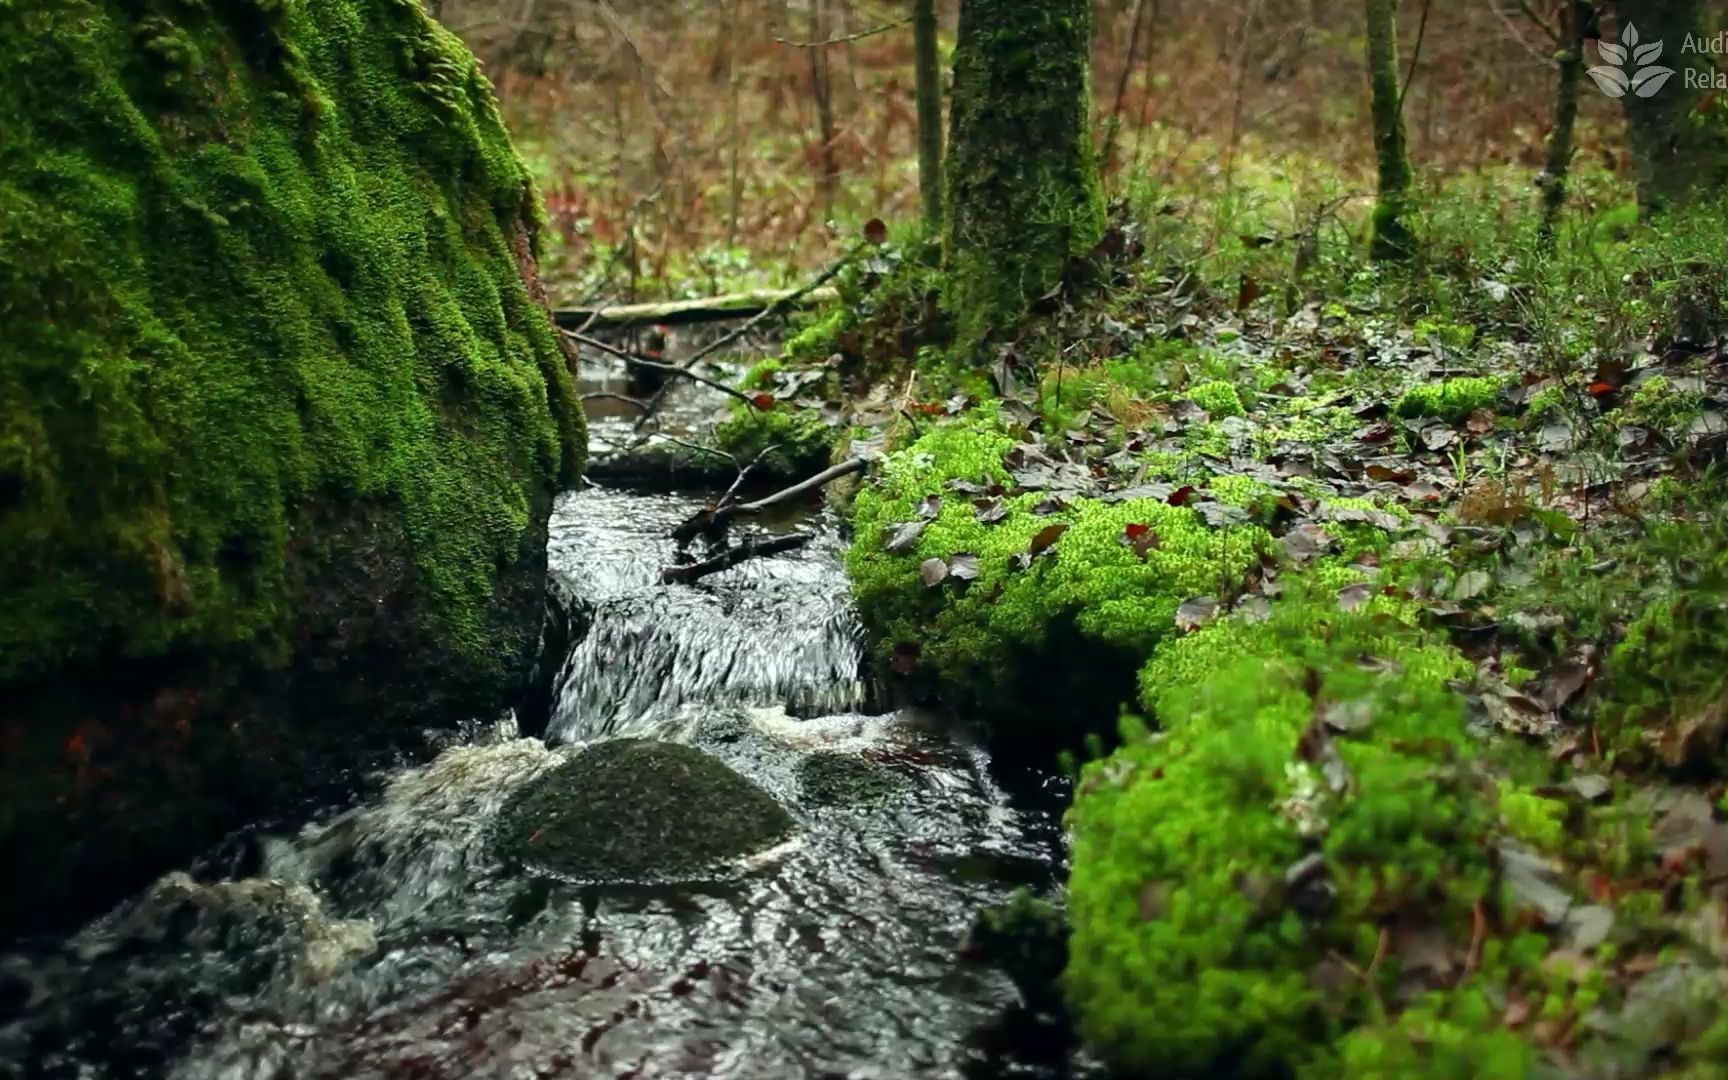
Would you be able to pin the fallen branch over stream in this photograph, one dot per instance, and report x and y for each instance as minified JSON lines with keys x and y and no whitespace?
{"x":713,"y":523}
{"x":687,"y":312}
{"x":732,"y":556}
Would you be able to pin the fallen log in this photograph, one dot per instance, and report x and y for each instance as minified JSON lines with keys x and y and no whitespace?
{"x":687,"y":312}
{"x":752,"y":548}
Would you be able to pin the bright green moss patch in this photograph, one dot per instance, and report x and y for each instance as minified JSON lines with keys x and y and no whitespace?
{"x":633,"y":810}
{"x":796,"y":441}
{"x":1312,"y":776}
{"x":259,"y":261}
{"x":1218,"y":398}
{"x":1451,"y":400}
{"x":1041,"y":584}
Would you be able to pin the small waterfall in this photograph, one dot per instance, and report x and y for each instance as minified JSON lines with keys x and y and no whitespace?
{"x":772,"y":631}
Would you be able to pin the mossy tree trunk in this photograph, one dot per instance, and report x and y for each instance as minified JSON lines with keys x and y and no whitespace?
{"x":1023,"y":191}
{"x":1392,"y":237}
{"x":1679,"y":142}
{"x":929,"y":93}
{"x":1575,"y":19}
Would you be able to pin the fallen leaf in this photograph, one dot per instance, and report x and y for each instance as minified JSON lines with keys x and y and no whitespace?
{"x":1385,"y":474}
{"x":929,"y":507}
{"x":1181,"y":495}
{"x":1048,"y":535}
{"x":903,"y":537}
{"x":963,"y":566}
{"x":1306,"y":542}
{"x":763,"y":401}
{"x":989,"y":511}
{"x":1353,"y":597}
{"x":1349,"y":717}
{"x":1471,"y":584}
{"x":1480,"y":422}
{"x":876,"y":232}
{"x":932,"y":572}
{"x":1141,"y":539}
{"x":1196,"y":612}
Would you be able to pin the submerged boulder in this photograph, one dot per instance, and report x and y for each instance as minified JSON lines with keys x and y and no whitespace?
{"x":282,"y":414}
{"x":633,"y":810}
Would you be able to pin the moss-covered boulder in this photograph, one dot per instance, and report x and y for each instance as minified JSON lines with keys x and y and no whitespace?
{"x":1034,"y":609}
{"x":281,"y":413}
{"x":633,"y":810}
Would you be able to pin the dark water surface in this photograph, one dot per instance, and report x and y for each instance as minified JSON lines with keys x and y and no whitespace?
{"x":386,"y":941}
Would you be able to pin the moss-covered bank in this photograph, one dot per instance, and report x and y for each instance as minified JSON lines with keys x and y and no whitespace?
{"x":281,"y":410}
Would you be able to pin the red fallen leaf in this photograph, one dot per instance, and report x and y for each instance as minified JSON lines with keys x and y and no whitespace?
{"x":1601,"y":888}
{"x":1181,"y":495}
{"x":1141,"y":538}
{"x":1375,"y":433}
{"x":763,"y":401}
{"x":876,"y":231}
{"x":1602,"y":389}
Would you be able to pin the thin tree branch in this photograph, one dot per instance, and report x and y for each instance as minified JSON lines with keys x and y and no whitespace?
{"x":859,"y":36}
{"x":1415,"y":55}
{"x":655,"y":365}
{"x":778,"y":307}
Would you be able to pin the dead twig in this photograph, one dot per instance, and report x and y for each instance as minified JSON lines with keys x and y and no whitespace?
{"x":846,"y":38}
{"x":779,"y":306}
{"x":655,"y":365}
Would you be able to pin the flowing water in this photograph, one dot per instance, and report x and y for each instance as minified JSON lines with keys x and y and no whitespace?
{"x":386,"y":941}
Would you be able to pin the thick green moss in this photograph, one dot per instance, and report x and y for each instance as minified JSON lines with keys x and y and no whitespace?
{"x":633,"y":810}
{"x":1451,"y":400}
{"x":1023,"y":190}
{"x":1218,"y":398}
{"x":798,"y":442}
{"x":281,"y":416}
{"x":257,"y":257}
{"x":1216,"y":865}
{"x":1088,"y":598}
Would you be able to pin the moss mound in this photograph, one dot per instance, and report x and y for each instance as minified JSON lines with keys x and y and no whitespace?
{"x":632,"y":810}
{"x":1312,"y":783}
{"x":280,"y":399}
{"x":1068,"y":595}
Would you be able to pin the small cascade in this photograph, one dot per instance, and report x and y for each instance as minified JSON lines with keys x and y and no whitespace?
{"x":391,"y":939}
{"x":772,"y":631}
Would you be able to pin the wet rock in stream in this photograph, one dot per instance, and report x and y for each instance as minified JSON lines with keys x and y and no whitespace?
{"x":637,"y":810}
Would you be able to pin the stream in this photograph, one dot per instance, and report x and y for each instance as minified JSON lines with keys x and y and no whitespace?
{"x":384,"y":940}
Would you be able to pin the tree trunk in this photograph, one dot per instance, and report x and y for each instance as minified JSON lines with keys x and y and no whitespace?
{"x":929,"y":93}
{"x":1575,"y":19}
{"x":1392,"y":237}
{"x":1023,"y":192}
{"x":1679,"y":144}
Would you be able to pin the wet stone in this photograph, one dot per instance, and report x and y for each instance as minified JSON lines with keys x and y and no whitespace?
{"x":634,"y":810}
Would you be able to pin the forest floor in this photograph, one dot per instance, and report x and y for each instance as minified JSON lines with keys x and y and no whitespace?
{"x":1210,"y":493}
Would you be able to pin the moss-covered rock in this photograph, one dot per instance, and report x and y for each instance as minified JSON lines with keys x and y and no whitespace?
{"x":1312,"y":783}
{"x":1056,"y":603}
{"x":281,"y":409}
{"x":633,"y":810}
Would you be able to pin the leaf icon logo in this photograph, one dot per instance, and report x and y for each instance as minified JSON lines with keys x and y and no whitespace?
{"x":1647,"y":76}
